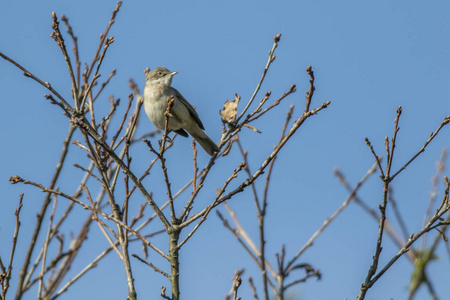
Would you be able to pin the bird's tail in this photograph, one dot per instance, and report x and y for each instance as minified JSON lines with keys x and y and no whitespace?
{"x":207,"y":144}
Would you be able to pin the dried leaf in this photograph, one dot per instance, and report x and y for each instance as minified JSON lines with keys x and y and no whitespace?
{"x":229,"y":110}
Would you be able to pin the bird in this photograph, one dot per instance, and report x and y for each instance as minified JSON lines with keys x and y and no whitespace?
{"x":183,"y":116}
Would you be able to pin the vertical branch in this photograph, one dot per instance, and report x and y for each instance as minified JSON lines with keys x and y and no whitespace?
{"x":194,"y":179}
{"x":44,"y":256}
{"x":237,"y":284}
{"x":75,"y":48}
{"x":57,"y":36}
{"x":252,"y":285}
{"x":312,"y":88}
{"x":5,"y":275}
{"x":386,"y":181}
{"x":443,"y":209}
{"x":394,"y":138}
{"x":162,"y":149}
{"x":373,"y":268}
{"x":88,"y":90}
{"x":262,"y":212}
{"x":174,"y":261}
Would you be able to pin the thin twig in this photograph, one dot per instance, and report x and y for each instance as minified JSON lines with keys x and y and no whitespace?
{"x":45,"y":248}
{"x":222,"y":190}
{"x":47,"y":85}
{"x":75,"y":48}
{"x":394,"y":138}
{"x":375,"y":155}
{"x":151,"y":265}
{"x":434,"y":190}
{"x":244,"y":245}
{"x":57,"y":36}
{"x":41,"y":214}
{"x":332,"y":217}
{"x":252,"y":285}
{"x":312,"y":88}
{"x":291,"y":90}
{"x":430,"y":226}
{"x":194,"y":153}
{"x":130,"y":101}
{"x":5,"y":275}
{"x":432,"y":136}
{"x":16,"y":179}
{"x":272,"y":57}
{"x":370,"y":279}
{"x":102,"y":39}
{"x":393,"y":234}
{"x":263,"y":166}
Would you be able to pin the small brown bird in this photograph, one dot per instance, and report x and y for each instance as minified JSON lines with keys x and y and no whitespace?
{"x":183,"y":116}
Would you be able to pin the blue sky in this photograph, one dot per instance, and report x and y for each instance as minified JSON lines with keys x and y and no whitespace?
{"x":368,"y":59}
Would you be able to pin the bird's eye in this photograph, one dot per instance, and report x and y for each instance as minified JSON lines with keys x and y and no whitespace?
{"x":159,"y":73}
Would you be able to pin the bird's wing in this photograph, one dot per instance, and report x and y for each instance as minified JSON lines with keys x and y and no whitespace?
{"x":190,"y":109}
{"x":182,"y":132}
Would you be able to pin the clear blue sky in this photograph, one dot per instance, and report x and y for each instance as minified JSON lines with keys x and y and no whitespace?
{"x":368,"y":58}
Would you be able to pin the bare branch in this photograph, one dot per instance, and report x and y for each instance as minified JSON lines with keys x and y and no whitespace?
{"x":151,"y":265}
{"x":5,"y":275}
{"x":57,"y":36}
{"x":432,"y":136}
{"x":272,"y":57}
{"x":332,"y":217}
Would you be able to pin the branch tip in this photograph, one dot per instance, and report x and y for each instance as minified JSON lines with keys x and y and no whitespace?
{"x":277,"y":38}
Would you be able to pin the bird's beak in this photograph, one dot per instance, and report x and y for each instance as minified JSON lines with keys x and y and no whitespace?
{"x":173,"y":73}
